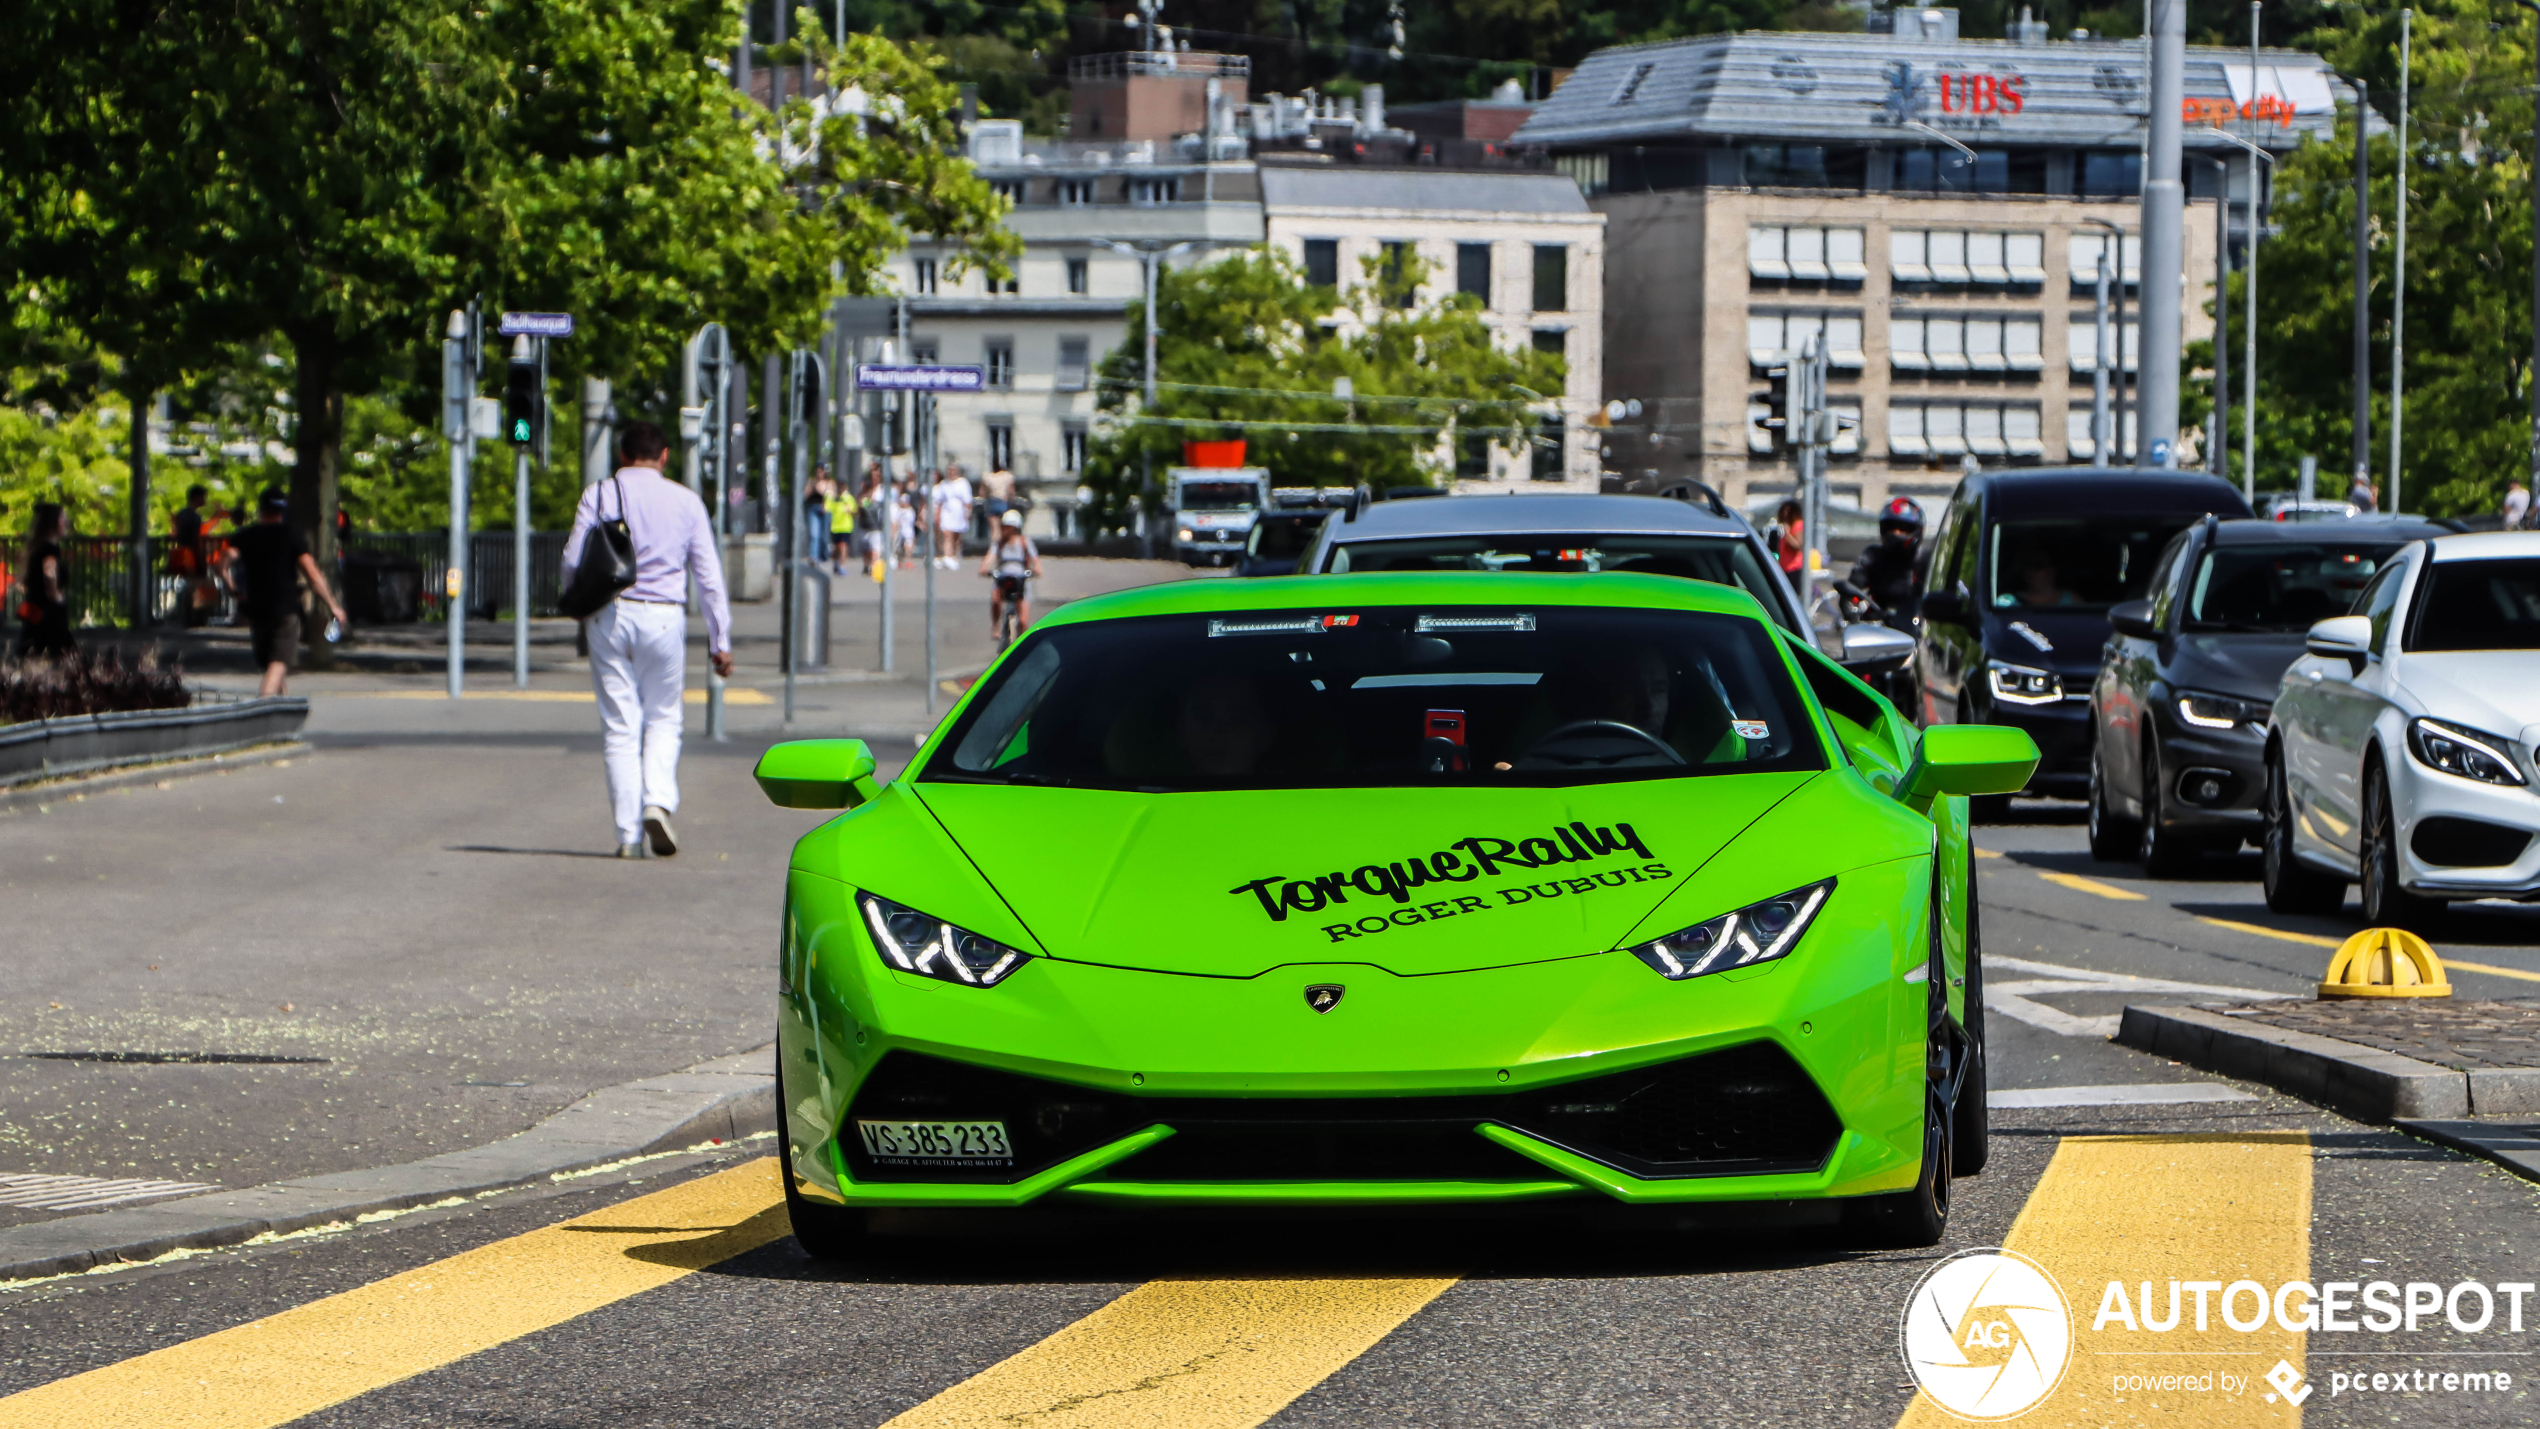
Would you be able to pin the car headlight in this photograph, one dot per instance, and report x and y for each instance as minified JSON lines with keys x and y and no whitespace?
{"x":1186,"y":533}
{"x":2464,"y":752}
{"x":1756,"y":933}
{"x":915,"y":942}
{"x":2020,"y":685}
{"x":2219,"y":711}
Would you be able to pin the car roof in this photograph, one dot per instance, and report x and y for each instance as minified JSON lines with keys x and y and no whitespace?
{"x":2486,"y":545}
{"x":1568,"y":513}
{"x":1340,"y":594}
{"x":2257,"y":530}
{"x":2113,"y":490}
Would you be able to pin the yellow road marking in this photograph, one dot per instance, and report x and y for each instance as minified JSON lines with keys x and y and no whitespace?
{"x":1182,"y":1354}
{"x":275,"y":1370}
{"x":2160,"y":1208}
{"x":2491,"y":970}
{"x":2282,"y":934}
{"x":2091,"y":885}
{"x":732,"y":695}
{"x":1984,"y":852}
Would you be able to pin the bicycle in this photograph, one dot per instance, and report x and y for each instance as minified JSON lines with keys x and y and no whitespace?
{"x":1012,"y":591}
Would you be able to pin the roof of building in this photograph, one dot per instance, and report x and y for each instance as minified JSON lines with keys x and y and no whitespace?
{"x":1868,"y":88}
{"x":1300,"y":186}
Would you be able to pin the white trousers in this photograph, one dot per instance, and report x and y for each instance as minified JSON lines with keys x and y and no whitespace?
{"x":639,"y":666}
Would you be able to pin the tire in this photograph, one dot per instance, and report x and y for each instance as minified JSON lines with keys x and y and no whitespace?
{"x":2291,"y":885}
{"x":2164,"y":851}
{"x":826,"y":1233}
{"x":1970,"y":1123}
{"x":2386,"y":904}
{"x":1910,"y":1220}
{"x":2112,"y":839}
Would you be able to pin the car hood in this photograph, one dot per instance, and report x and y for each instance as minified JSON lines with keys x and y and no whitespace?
{"x":2074,"y":638}
{"x":1413,"y":881}
{"x":2494,"y":690}
{"x":2248,"y":666}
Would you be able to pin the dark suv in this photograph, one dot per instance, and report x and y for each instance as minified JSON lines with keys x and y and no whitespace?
{"x":2179,"y":710}
{"x":2025,"y":566}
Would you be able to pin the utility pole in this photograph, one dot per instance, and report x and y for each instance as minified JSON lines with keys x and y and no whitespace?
{"x":922,"y":412}
{"x":709,"y":377}
{"x":2102,"y":416}
{"x":2249,"y":322}
{"x":2114,"y":252}
{"x":2399,"y":270}
{"x":2531,"y":378}
{"x":537,"y":347}
{"x":2218,"y":443}
{"x":458,"y":423}
{"x":2163,"y":262}
{"x":2362,"y":418}
{"x":138,"y":496}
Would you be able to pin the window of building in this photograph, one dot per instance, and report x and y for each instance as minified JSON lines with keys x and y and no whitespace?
{"x":1323,"y":262}
{"x":1774,"y":337}
{"x":1786,"y":166}
{"x":1954,"y":257}
{"x":1071,"y":447}
{"x":1472,"y":270}
{"x":2111,"y":173}
{"x":1011,"y":190}
{"x":2089,"y":243}
{"x":1074,"y":363}
{"x":1000,"y":362}
{"x":1957,"y":343}
{"x":924,"y":282}
{"x":1075,"y":191}
{"x":1149,"y":192}
{"x":1808,"y":255}
{"x":1000,"y":444}
{"x":1554,"y":340}
{"x":1551,"y":447}
{"x":2081,"y":338}
{"x":1008,"y":286}
{"x":1950,"y":429}
{"x":925,"y":351}
{"x":1472,"y":456}
{"x":1396,"y":270}
{"x":1552,"y":277}
{"x":1079,"y":276}
{"x":2078,"y":445}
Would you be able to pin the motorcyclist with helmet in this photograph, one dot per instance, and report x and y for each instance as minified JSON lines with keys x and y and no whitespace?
{"x":1889,"y":573}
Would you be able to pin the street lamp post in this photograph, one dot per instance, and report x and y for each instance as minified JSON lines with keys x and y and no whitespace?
{"x":2532,"y":378}
{"x":2163,"y":252}
{"x":1152,"y":255}
{"x":2399,"y":266}
{"x":2249,"y":321}
{"x":2115,"y":249}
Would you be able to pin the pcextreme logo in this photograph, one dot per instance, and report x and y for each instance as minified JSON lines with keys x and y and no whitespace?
{"x":1987,"y":1334}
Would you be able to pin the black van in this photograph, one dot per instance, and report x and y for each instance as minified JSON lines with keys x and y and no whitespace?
{"x":2024,"y":566}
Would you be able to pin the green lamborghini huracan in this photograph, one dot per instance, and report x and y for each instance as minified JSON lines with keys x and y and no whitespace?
{"x":1417,"y":889}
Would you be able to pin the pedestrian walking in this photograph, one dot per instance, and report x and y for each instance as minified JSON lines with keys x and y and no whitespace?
{"x":952,"y":518}
{"x":187,"y":557}
{"x":639,"y":641}
{"x":2517,"y":508}
{"x":904,"y":503}
{"x":996,"y":491}
{"x":1787,"y":538}
{"x":816,"y":515}
{"x":873,"y":512}
{"x":2363,"y":495}
{"x":44,"y":607}
{"x":270,"y":559}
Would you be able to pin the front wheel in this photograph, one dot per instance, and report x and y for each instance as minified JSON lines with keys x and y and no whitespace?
{"x":2386,"y":904}
{"x":825,"y":1232}
{"x":2112,"y":838}
{"x":1970,"y":1121}
{"x":2291,"y":885}
{"x":2166,"y":853}
{"x":1908,"y":1220}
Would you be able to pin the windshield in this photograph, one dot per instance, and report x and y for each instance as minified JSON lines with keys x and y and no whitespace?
{"x":2478,"y":605}
{"x":1721,"y":560}
{"x":1358,"y":696}
{"x":1220,"y":496}
{"x":2281,"y":588}
{"x":2076,"y":563}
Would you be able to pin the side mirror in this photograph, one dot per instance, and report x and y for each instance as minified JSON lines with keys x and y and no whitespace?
{"x":1875,"y":648}
{"x":818,"y":774}
{"x":1968,"y":759}
{"x":1948,"y":606}
{"x":2134,"y":617}
{"x":2341,"y":637}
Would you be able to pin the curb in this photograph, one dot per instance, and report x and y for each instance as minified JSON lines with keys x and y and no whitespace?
{"x":2363,"y":1082}
{"x":2516,"y":1148}
{"x":721,"y":1100}
{"x":56,"y":788}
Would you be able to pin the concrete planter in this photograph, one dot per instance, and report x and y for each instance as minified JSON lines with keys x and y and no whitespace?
{"x":79,"y":744}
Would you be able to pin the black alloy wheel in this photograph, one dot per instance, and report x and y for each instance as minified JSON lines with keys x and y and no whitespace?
{"x":2291,"y":885}
{"x":1906,"y":1220}
{"x":1971,"y":1124}
{"x":2386,"y":903}
{"x":2112,"y":837}
{"x":826,"y":1233}
{"x":2165,"y":852}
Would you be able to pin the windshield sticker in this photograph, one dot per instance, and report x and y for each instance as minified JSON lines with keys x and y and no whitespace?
{"x":1751,"y":728}
{"x":1426,"y":679}
{"x":1426,"y":623}
{"x":1294,"y":625}
{"x":1464,"y":861}
{"x":1330,"y":621}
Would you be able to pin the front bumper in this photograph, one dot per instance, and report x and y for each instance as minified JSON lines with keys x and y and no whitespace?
{"x":2217,"y":778}
{"x":1585,"y":1077}
{"x":2062,"y":732}
{"x":2457,"y":837}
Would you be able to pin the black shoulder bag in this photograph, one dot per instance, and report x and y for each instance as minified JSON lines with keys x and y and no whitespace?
{"x":608,"y":563}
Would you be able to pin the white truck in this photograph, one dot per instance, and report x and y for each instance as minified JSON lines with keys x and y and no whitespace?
{"x":1213,"y":511}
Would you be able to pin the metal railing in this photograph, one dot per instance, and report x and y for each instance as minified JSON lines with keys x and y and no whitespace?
{"x":383,"y":577}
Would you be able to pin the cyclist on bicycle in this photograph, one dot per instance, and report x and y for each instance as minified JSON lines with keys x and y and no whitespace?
{"x":1015,"y":562}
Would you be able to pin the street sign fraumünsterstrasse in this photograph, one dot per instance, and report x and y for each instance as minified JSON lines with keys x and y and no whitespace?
{"x":874,"y":377}
{"x":537,"y":325}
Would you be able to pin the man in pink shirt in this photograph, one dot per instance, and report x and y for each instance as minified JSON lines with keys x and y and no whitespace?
{"x":639,"y":641}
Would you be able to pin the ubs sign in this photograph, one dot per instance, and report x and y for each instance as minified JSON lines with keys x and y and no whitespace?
{"x":1974,"y":93}
{"x":1968,"y":99}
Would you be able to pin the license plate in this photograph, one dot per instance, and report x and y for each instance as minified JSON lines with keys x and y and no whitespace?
{"x":950,"y":1145}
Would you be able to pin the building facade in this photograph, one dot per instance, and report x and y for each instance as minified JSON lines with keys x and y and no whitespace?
{"x":1932,"y":209}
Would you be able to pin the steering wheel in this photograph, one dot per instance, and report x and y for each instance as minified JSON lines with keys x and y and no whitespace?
{"x":1609,"y":727}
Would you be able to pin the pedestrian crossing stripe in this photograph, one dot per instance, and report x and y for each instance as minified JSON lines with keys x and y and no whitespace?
{"x":1189,"y":1353}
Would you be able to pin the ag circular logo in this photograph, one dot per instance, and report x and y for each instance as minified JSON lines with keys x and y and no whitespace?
{"x":1987,"y":1334}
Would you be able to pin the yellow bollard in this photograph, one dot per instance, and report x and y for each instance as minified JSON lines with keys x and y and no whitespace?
{"x":2385,"y":962}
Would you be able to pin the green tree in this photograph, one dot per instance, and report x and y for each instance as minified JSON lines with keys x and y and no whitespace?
{"x":1247,"y":348}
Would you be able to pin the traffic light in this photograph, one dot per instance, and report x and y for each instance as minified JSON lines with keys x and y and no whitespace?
{"x":522,"y":396}
{"x":1777,"y":404}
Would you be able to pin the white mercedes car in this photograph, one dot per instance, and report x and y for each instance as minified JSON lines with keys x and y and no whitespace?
{"x":2400,"y":749}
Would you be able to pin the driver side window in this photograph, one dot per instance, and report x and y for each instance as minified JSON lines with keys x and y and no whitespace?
{"x":2379,"y":600}
{"x":2166,"y":580}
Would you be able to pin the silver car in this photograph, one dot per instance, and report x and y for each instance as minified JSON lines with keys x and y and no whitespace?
{"x":1571,"y":534}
